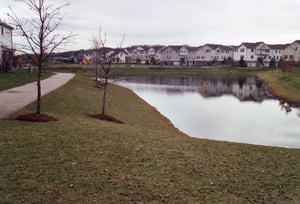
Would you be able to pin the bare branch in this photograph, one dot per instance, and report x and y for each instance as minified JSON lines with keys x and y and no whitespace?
{"x":39,"y":33}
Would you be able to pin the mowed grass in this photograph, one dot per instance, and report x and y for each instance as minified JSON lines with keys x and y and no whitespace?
{"x":283,"y":86}
{"x":18,"y":78}
{"x":79,"y":159}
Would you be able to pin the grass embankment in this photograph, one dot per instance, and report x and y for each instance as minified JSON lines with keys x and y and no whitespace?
{"x":18,"y":78}
{"x":283,"y":86}
{"x":79,"y":159}
{"x":155,"y":70}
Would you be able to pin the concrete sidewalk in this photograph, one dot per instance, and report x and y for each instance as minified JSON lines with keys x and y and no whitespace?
{"x":15,"y":99}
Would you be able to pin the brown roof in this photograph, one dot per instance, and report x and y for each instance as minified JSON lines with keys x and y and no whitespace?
{"x":251,"y":45}
{"x":278,"y":46}
{"x":223,"y":47}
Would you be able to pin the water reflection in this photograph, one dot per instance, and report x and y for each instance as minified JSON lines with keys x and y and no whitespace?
{"x":244,"y":88}
{"x":231,"y":109}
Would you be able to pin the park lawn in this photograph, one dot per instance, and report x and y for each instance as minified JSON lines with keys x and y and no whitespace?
{"x":155,"y":70}
{"x":79,"y":159}
{"x":18,"y":78}
{"x":283,"y":86}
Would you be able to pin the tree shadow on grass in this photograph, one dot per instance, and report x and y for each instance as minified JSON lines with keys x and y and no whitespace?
{"x":33,"y":117}
{"x":106,"y":118}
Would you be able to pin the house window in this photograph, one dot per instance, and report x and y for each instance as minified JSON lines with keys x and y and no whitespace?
{"x":291,"y":57}
{"x":202,"y":57}
{"x":242,"y":50}
{"x":252,"y":57}
{"x":252,"y":50}
{"x":286,"y":56}
{"x":208,"y":50}
{"x":2,"y":31}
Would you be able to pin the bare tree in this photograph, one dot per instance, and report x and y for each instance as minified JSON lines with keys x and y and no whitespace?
{"x":97,"y":47}
{"x":40,"y":34}
{"x":105,"y":61}
{"x":286,"y":67}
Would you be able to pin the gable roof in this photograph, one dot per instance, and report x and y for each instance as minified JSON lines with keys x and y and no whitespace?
{"x":296,"y":41}
{"x":222,"y":47}
{"x":251,"y":45}
{"x":6,"y":25}
{"x":278,"y":46}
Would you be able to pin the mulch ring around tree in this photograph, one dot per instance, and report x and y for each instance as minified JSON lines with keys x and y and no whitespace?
{"x":106,"y":118}
{"x":33,"y":117}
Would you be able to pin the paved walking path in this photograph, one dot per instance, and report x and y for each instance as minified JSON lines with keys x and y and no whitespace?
{"x":15,"y":99}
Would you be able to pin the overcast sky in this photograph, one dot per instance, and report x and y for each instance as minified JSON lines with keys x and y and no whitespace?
{"x":176,"y":22}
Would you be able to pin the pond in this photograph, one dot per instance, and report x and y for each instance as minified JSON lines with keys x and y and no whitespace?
{"x":235,"y":109}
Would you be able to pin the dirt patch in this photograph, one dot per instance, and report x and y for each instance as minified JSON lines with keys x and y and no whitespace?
{"x":106,"y":118}
{"x":33,"y":117}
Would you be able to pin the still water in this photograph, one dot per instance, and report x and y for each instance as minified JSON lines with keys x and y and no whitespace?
{"x":227,"y":109}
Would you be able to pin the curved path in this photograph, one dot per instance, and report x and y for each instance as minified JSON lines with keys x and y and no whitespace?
{"x":15,"y":99}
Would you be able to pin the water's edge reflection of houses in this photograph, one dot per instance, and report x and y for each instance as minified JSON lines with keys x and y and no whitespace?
{"x":243,"y":88}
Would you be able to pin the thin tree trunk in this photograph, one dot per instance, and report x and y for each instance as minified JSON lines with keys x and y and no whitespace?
{"x":104,"y":94}
{"x":38,"y":106}
{"x":96,"y":74}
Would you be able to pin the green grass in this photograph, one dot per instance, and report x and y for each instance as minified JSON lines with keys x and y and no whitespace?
{"x":283,"y":86}
{"x":155,"y":70}
{"x":18,"y":78}
{"x":83,"y":160}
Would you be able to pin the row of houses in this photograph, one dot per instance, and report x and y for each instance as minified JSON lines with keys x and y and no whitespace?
{"x":258,"y":54}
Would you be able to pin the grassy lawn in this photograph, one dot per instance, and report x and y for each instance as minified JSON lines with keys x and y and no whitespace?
{"x":18,"y":78}
{"x":83,"y":160}
{"x":282,"y":86}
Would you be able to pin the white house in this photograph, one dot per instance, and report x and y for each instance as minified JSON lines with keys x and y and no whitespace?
{"x":296,"y":46}
{"x":6,"y":47}
{"x":120,"y":56}
{"x":213,"y":54}
{"x":138,"y":54}
{"x":292,"y":51}
{"x":252,"y":53}
{"x":277,"y":51}
{"x":174,"y":55}
{"x":154,"y":54}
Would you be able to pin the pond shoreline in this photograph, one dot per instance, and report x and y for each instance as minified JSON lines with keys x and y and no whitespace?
{"x":206,"y":107}
{"x":278,"y":93}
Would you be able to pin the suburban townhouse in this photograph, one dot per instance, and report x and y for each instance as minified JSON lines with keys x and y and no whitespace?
{"x":120,"y":56}
{"x":174,"y":55}
{"x":292,"y":51}
{"x":249,"y":53}
{"x":276,"y":52}
{"x":212,"y":54}
{"x":6,"y":47}
{"x":258,"y":54}
{"x":154,"y":54}
{"x":138,"y":54}
{"x":296,"y":46}
{"x":144,"y":54}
